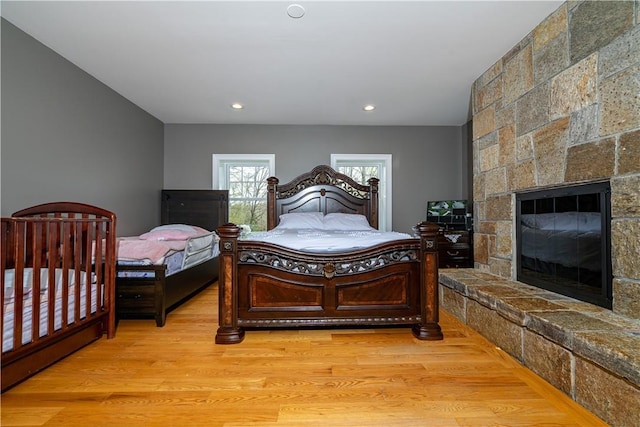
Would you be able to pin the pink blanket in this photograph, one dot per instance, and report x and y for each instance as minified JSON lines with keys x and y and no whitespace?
{"x":133,"y":248}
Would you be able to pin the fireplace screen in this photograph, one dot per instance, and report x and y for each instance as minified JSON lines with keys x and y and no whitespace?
{"x":563,"y":241}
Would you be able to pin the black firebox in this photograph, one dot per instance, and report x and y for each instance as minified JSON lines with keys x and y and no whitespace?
{"x":563,"y":240}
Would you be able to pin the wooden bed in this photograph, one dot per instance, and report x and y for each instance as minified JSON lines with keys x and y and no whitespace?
{"x":54,"y":243}
{"x":159,"y":293}
{"x":262,"y":285}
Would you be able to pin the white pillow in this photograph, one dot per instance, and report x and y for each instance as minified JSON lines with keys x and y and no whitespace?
{"x":345,"y":221}
{"x":301,"y":220}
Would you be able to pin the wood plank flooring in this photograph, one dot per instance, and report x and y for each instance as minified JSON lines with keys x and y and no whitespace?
{"x":177,"y":376}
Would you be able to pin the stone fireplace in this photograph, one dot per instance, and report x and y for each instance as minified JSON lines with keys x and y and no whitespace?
{"x":562,"y":107}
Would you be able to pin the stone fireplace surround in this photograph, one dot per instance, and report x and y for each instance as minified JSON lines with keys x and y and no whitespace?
{"x":560,"y":108}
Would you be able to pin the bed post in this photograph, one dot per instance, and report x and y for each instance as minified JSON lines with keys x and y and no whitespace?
{"x":373,"y":202}
{"x":272,"y":214}
{"x":228,"y":331}
{"x":428,"y":329}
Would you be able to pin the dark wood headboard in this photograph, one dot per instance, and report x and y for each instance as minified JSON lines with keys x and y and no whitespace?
{"x":322,"y":190}
{"x":208,"y":209}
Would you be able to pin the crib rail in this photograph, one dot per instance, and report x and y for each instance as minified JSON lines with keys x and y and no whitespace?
{"x":60,"y":260}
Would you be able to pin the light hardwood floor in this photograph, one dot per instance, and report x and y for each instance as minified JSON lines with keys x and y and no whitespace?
{"x":177,"y":376}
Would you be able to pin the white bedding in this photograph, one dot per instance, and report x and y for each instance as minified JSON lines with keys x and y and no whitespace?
{"x":314,"y":240}
{"x":9,"y":284}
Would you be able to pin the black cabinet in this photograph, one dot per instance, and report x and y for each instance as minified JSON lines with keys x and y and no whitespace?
{"x":455,"y":238}
{"x":455,"y":249}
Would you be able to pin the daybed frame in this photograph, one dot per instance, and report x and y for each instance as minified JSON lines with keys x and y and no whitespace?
{"x":58,"y":236}
{"x":262,"y":285}
{"x":157,"y":295}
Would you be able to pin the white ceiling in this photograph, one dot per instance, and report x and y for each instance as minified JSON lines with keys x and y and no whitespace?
{"x":187,"y":61}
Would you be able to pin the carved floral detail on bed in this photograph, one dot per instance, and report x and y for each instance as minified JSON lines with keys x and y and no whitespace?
{"x":320,"y":176}
{"x":328,"y":269}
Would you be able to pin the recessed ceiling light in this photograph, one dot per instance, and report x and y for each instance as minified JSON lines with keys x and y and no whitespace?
{"x":369,"y":107}
{"x":237,"y":106}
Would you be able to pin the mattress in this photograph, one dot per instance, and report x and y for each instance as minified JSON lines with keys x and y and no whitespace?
{"x":314,"y":240}
{"x":9,"y":303}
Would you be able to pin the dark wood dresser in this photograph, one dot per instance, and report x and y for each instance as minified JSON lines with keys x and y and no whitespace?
{"x":455,"y":238}
{"x":455,"y":249}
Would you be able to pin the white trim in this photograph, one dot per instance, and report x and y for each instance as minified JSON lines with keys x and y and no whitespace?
{"x":386,"y":201}
{"x":218,"y":158}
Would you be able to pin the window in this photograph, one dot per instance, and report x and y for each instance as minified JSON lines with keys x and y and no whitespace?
{"x":361,"y":167}
{"x":245,"y":176}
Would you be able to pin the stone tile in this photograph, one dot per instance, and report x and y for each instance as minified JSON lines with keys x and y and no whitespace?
{"x":488,"y":227}
{"x":453,"y":302}
{"x":584,"y":125}
{"x":620,"y":102}
{"x":560,"y":326}
{"x":626,"y":298}
{"x":549,"y":360}
{"x":629,"y":324}
{"x":489,"y":94}
{"x":507,"y":142}
{"x":496,"y":329}
{"x":488,"y":76}
{"x":481,"y":248}
{"x":489,"y":158}
{"x":623,"y":52}
{"x":625,"y":196}
{"x":500,"y":267}
{"x":594,"y":24}
{"x":606,"y":395}
{"x":551,"y":60}
{"x":499,"y":207}
{"x":625,"y":247}
{"x":518,"y":48}
{"x":484,"y":122}
{"x":629,"y":153}
{"x":532,"y":110}
{"x":524,"y":147}
{"x":524,"y":175}
{"x":486,"y":277}
{"x":616,"y":351}
{"x":591,"y":161}
{"x":486,"y":141}
{"x":496,"y":181}
{"x":504,"y":242}
{"x":574,"y":88}
{"x":516,"y":308}
{"x":549,"y":29}
{"x":478,"y":188}
{"x":518,"y":75}
{"x":549,"y":147}
{"x":506,"y":116}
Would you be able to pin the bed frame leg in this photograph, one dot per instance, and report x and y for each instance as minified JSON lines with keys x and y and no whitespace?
{"x":229,"y":332}
{"x":229,"y":335}
{"x":428,"y":329}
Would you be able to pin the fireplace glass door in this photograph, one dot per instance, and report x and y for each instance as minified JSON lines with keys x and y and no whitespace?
{"x":563,"y":241}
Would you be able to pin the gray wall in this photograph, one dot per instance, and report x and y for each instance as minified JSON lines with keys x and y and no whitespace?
{"x":428,"y":162}
{"x":66,"y":136}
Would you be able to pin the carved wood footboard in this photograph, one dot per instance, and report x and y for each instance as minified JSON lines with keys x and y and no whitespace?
{"x":263,"y":285}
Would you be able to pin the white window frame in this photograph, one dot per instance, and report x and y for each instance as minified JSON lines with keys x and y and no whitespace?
{"x":385,"y":189}
{"x":219,"y":178}
{"x":219,"y":182}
